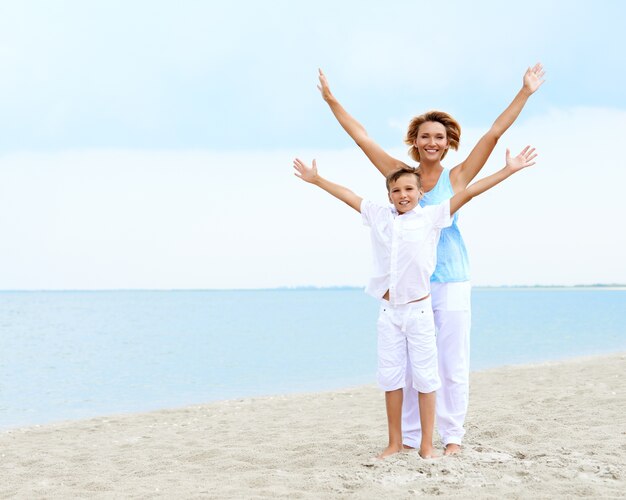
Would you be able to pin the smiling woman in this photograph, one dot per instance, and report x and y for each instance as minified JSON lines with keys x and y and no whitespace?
{"x":404,"y":246}
{"x":432,"y":134}
{"x":429,"y":136}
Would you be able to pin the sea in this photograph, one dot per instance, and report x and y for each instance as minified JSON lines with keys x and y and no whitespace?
{"x":68,"y":355}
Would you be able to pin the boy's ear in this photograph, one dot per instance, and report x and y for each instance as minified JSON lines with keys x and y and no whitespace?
{"x":389,"y":196}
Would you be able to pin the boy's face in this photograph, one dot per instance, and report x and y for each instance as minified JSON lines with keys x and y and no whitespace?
{"x":405,"y":193}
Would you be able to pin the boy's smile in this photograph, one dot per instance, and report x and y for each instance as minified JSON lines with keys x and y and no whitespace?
{"x":405,"y":193}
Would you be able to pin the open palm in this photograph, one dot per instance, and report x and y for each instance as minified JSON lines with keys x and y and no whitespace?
{"x":302,"y":170}
{"x":533,"y":78}
{"x":522,"y":160}
{"x":323,"y":86}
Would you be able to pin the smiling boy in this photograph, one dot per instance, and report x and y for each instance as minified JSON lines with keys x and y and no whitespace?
{"x":404,"y":244}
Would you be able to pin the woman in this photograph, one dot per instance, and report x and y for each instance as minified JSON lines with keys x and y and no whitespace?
{"x":430,"y":136}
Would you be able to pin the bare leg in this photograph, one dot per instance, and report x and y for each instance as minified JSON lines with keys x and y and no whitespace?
{"x":393,"y":400}
{"x":411,"y":430}
{"x":427,"y":402}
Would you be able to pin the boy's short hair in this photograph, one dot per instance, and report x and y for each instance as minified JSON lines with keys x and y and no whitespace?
{"x":396,"y":174}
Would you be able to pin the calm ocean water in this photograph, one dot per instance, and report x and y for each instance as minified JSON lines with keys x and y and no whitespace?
{"x":68,"y":355}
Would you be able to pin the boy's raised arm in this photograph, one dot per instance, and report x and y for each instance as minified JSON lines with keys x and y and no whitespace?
{"x":522,"y":160}
{"x":377,"y":155}
{"x":463,"y":173}
{"x":310,"y":175}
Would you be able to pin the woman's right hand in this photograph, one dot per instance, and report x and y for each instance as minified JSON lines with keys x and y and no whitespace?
{"x":323,"y":87}
{"x":533,"y":78}
{"x":381,"y":160}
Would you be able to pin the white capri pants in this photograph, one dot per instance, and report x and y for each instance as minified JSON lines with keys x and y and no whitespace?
{"x":451,"y":305}
{"x":406,"y":337}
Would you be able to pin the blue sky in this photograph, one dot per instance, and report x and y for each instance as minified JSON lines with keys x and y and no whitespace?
{"x":148,"y":144}
{"x":239,"y":75}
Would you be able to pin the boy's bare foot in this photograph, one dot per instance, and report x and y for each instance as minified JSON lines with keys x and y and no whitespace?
{"x":427,"y":453}
{"x":452,"y":449}
{"x":390,"y":450}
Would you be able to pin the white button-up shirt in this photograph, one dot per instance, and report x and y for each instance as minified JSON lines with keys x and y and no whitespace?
{"x":404,"y":248}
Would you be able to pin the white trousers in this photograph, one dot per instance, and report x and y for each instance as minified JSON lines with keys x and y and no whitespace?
{"x":452,"y":311}
{"x":406,"y":344}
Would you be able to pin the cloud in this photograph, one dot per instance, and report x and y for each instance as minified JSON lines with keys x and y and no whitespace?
{"x":241,"y":75}
{"x":201,"y":219}
{"x":557,"y":223}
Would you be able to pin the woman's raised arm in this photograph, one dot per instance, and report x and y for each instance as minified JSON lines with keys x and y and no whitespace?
{"x":463,"y":173}
{"x":377,"y":155}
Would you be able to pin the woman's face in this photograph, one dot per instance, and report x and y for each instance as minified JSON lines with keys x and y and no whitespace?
{"x":431,"y":141}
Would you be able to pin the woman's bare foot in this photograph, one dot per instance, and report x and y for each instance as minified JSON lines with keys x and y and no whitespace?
{"x":390,"y":450}
{"x":452,"y":449}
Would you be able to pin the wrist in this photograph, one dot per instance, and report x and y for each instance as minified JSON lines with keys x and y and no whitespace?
{"x":508,"y":170}
{"x":526,"y":92}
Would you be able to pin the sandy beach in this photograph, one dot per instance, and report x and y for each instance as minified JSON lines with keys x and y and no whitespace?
{"x":554,"y":430}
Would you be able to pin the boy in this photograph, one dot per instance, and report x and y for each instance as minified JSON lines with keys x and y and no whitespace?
{"x":404,"y":243}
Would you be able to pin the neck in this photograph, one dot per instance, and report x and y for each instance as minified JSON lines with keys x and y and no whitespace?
{"x":431,"y":166}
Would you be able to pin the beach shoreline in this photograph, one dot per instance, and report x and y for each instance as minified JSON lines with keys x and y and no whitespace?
{"x":554,"y":429}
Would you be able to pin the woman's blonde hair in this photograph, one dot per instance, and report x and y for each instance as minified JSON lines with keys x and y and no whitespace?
{"x":453,"y":131}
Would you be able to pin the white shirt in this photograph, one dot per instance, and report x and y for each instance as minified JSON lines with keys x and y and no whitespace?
{"x":404,"y":248}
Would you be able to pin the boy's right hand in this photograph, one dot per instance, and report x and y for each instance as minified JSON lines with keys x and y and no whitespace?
{"x":306,"y":173}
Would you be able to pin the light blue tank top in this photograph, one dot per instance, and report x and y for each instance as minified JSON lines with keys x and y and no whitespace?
{"x":452,"y":261}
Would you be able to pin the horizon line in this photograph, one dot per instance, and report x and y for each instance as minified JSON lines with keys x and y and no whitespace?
{"x":282,"y":288}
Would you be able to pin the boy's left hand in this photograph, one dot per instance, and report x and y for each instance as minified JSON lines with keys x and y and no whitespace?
{"x":522,"y":160}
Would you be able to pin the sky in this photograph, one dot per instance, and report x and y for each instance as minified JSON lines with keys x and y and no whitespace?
{"x":149,"y":144}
